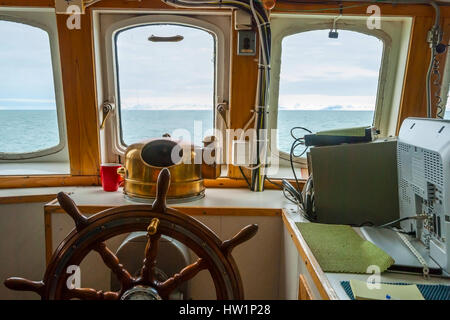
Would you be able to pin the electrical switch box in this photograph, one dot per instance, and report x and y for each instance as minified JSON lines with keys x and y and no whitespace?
{"x":246,"y":43}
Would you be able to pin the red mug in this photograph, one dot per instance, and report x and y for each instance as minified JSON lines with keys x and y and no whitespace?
{"x":111,"y":180}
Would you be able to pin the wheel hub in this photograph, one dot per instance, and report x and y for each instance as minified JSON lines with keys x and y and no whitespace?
{"x":141,"y":293}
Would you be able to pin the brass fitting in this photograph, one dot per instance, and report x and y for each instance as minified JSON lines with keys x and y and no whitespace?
{"x":153,"y":227}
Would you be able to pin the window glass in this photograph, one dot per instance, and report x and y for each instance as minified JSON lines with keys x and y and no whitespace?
{"x":327,"y":83}
{"x":165,"y":85}
{"x":447,"y":110}
{"x":28,"y":120}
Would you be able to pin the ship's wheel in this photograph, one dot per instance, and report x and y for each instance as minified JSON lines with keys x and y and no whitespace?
{"x":157,"y":220}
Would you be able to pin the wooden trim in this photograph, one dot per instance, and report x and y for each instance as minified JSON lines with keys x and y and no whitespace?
{"x":320,"y":280}
{"x":281,"y":6}
{"x":12,"y":182}
{"x":413,"y":101}
{"x":142,"y":4}
{"x":27,"y":198}
{"x":361,"y":8}
{"x":53,"y":207}
{"x":225,"y":183}
{"x":442,"y":60}
{"x":304,"y":292}
{"x":28,"y":3}
{"x":48,"y":236}
{"x":47,"y":181}
{"x":240,"y":183}
{"x":78,"y":76}
{"x":243,"y":85}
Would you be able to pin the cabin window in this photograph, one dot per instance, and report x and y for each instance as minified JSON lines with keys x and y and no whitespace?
{"x":322,"y":86}
{"x":447,"y":104}
{"x":163,"y":74}
{"x":323,"y":82}
{"x":29,"y":124}
{"x":166,"y":82}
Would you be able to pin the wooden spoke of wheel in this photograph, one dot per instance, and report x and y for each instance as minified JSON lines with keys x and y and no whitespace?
{"x":148,"y":269}
{"x":186,"y":274}
{"x":21,"y":284}
{"x":90,"y":294}
{"x":112,"y":262}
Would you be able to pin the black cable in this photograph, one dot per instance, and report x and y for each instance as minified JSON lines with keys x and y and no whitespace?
{"x":274,"y":183}
{"x":245,"y":177}
{"x":302,"y":128}
{"x":297,"y":193}
{"x":400,"y":220}
{"x":297,"y":142}
{"x":291,"y":155}
{"x":367,"y":223}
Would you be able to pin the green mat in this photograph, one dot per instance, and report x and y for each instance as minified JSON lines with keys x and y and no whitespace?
{"x":339,"y":248}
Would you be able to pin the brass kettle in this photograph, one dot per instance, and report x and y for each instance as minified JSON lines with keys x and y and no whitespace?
{"x":185,"y":161}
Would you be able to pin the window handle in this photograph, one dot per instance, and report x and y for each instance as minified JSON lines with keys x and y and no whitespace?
{"x":107,"y":110}
{"x":154,"y":38}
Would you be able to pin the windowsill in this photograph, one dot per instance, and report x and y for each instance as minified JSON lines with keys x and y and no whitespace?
{"x":286,"y":173}
{"x":34,"y":168}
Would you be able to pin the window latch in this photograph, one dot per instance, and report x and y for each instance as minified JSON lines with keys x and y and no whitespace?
{"x":107,"y":109}
{"x":222,"y":108}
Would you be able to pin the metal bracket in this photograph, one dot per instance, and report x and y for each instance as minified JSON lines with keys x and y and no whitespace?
{"x":107,"y":109}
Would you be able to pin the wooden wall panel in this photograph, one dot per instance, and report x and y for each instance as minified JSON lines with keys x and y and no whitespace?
{"x":244,"y":77}
{"x":356,"y":8}
{"x":413,"y":102}
{"x":132,"y":4}
{"x":78,"y":74}
{"x":442,"y":62}
{"x":28,"y":3}
{"x":47,"y":181}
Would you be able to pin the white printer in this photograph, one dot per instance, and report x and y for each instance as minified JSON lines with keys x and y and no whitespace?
{"x":423,"y":160}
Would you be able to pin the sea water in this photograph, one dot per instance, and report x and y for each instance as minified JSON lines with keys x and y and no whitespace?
{"x":31,"y":130}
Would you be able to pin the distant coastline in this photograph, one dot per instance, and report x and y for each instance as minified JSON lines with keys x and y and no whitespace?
{"x":329,"y":108}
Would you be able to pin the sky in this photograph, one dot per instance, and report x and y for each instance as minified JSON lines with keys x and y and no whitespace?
{"x":159,"y":75}
{"x":26,"y":76}
{"x":316,"y":72}
{"x":322,"y":73}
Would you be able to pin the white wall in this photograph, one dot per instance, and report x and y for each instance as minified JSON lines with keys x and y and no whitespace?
{"x":22,"y":246}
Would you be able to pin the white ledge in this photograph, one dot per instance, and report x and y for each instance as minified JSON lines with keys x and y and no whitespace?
{"x":34,"y":168}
